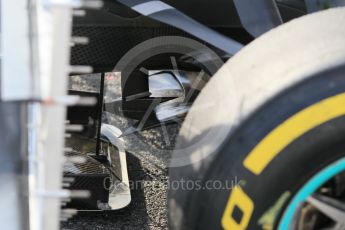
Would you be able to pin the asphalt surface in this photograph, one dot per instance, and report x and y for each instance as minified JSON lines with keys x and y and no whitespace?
{"x":147,"y":158}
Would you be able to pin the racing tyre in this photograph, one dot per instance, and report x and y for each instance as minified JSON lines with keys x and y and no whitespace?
{"x":263,"y":145}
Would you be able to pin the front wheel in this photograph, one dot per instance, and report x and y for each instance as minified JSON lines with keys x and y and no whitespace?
{"x":285,"y":128}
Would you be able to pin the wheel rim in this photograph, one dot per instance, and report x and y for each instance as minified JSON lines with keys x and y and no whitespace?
{"x":322,"y":205}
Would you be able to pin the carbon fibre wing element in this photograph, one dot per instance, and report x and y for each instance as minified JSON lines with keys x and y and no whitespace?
{"x":258,"y":16}
{"x":165,"y":13}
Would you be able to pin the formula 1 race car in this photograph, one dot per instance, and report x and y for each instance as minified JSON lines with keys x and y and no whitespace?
{"x":271,"y":112}
{"x":165,"y":59}
{"x":257,"y":86}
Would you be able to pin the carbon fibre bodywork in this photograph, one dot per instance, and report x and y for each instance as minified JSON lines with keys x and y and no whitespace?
{"x":115,"y":29}
{"x":104,"y":176}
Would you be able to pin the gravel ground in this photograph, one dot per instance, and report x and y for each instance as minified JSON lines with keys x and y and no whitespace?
{"x":147,"y":159}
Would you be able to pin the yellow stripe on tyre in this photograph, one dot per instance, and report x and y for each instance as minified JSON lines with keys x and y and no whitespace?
{"x":297,"y":125}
